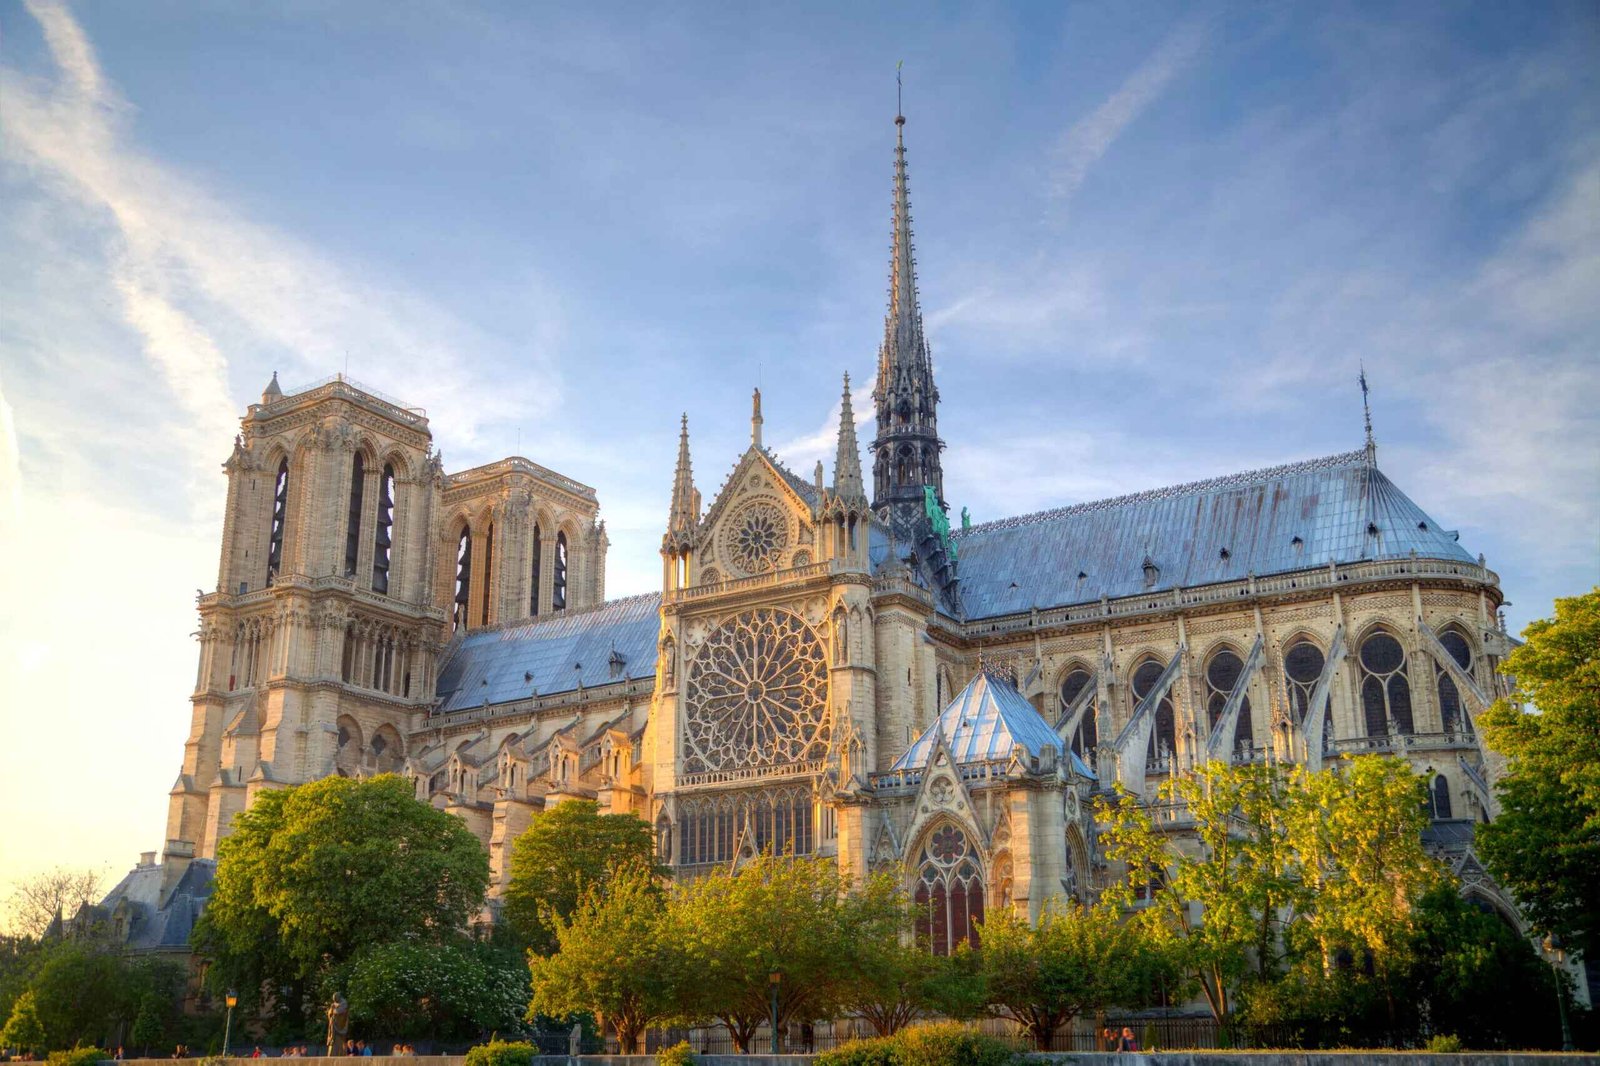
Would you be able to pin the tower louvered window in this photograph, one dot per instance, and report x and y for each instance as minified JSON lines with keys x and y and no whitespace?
{"x":383,"y":540}
{"x":1222,"y":674}
{"x":488,"y":574}
{"x":538,"y":559}
{"x":1163,"y":738}
{"x":1385,"y":689}
{"x":1450,"y":709}
{"x":352,"y":534}
{"x":558,"y":587}
{"x":463,"y":595}
{"x":280,"y":515}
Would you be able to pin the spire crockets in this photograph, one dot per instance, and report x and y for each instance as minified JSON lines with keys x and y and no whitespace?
{"x":847,"y":459}
{"x":685,"y":514}
{"x":905,"y":455}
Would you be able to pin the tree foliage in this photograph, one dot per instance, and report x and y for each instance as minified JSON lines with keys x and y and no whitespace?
{"x":1545,"y":844}
{"x":23,"y":1031}
{"x":444,"y":991}
{"x":613,"y":959}
{"x":312,"y":875}
{"x":1075,"y":960}
{"x":36,"y":901}
{"x":561,"y":854}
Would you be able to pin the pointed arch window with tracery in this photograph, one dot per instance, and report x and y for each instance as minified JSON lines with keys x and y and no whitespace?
{"x":1302,"y":668}
{"x":1450,"y":710}
{"x":949,"y":891}
{"x":1083,"y":740}
{"x":1222,"y":675}
{"x":1164,"y":737}
{"x":1385,"y":688}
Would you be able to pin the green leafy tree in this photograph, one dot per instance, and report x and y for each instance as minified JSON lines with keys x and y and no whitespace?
{"x":1545,"y":844}
{"x":612,"y":959}
{"x":1075,"y":960}
{"x":150,"y":1024}
{"x":888,"y":982}
{"x":561,"y":854}
{"x":314,"y":874}
{"x":776,"y":915}
{"x":407,"y":989}
{"x":24,"y":1031}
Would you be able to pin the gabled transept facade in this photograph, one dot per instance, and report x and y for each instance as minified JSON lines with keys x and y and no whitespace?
{"x":828,"y":667}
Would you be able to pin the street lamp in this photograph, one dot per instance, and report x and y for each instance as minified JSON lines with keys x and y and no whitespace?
{"x":1557,"y":953}
{"x":232,"y":1000}
{"x":775,"y":979}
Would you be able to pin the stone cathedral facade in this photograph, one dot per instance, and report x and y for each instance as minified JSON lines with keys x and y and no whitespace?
{"x":829,"y":667}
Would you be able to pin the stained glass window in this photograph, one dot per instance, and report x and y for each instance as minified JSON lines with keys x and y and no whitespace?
{"x":1450,"y":709}
{"x":1163,"y":738}
{"x":1222,"y":675}
{"x":1084,"y":740}
{"x":1385,"y":690}
{"x":949,"y":891}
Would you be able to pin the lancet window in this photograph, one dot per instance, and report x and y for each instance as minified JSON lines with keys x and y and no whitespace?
{"x":463,"y":578}
{"x":488,"y":575}
{"x":1385,"y":689}
{"x":1450,"y":710}
{"x":558,"y":586}
{"x":1441,"y":798}
{"x":280,"y":515}
{"x":1302,"y":666}
{"x":1163,"y":738}
{"x":352,"y":535}
{"x":716,"y":828}
{"x":538,"y":558}
{"x":1222,"y":674}
{"x":1084,"y":740}
{"x":383,"y":539}
{"x":949,"y":891}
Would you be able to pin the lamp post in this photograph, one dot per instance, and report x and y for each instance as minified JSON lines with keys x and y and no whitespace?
{"x":1557,"y":953}
{"x":773,"y":981}
{"x":232,"y":1000}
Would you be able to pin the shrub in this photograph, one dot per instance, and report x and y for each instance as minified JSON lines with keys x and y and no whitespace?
{"x":1444,"y":1044}
{"x":501,"y":1053}
{"x":874,"y":1051}
{"x":676,"y":1055}
{"x":78,"y":1056}
{"x":949,"y":1044}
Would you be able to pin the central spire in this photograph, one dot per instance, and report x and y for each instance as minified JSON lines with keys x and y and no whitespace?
{"x":906,"y":452}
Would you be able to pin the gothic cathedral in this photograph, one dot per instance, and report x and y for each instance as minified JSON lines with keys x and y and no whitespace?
{"x":829,"y":667}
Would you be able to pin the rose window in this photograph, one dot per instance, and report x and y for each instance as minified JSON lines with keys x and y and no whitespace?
{"x":757,"y":695}
{"x":756,"y":537}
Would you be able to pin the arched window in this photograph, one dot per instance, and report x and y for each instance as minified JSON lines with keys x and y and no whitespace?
{"x":1084,"y":740}
{"x":949,"y":893}
{"x":1449,"y":696}
{"x":1302,"y":666}
{"x":488,"y":574}
{"x":1441,"y":798}
{"x":1385,"y":691}
{"x":538,"y":558}
{"x":352,"y":533}
{"x":1222,"y":674}
{"x":558,"y":587}
{"x":383,"y":540}
{"x":280,"y":515}
{"x":458,"y":619}
{"x":1164,"y":737}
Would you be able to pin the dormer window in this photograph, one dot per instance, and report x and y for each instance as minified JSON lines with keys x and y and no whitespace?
{"x":1225,"y":555}
{"x":1372,"y":529}
{"x":1297,"y":544}
{"x":1152,"y":572}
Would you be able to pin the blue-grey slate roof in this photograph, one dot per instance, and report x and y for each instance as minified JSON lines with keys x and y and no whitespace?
{"x":492,"y":665}
{"x":153,"y":926}
{"x":986,"y":720}
{"x":1196,"y":534}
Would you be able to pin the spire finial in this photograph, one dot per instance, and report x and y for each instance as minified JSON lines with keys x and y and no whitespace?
{"x":847,"y":483}
{"x":755,"y":418}
{"x":685,"y":513}
{"x":899,"y":106}
{"x":1366,"y":415}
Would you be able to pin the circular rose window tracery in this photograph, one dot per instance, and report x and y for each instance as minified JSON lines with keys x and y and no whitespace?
{"x":757,"y":537}
{"x":757,"y":695}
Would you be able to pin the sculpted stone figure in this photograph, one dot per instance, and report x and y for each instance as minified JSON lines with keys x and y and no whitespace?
{"x":338,"y":1024}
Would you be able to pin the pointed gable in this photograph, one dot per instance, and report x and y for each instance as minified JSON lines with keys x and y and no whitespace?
{"x":987,"y":720}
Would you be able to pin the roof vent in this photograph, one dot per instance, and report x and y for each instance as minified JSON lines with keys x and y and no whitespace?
{"x":1298,"y":543}
{"x":1151,"y":571}
{"x":1226,"y":554}
{"x":1372,"y":529}
{"x":1082,"y":576}
{"x":527,"y":675}
{"x":1422,"y":526}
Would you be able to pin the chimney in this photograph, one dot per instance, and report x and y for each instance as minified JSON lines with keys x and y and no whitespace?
{"x":147,"y":858}
{"x":175,"y":862}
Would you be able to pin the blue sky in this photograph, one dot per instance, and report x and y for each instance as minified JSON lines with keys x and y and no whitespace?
{"x":1155,"y":243}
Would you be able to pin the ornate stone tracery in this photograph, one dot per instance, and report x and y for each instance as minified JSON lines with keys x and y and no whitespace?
{"x":756,"y":537}
{"x":756,"y":695}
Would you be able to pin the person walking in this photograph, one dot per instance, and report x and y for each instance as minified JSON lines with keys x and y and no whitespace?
{"x":1128,"y":1041}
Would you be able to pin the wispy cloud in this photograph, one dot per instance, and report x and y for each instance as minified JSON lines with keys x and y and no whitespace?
{"x":802,"y":453}
{"x":1083,"y":145}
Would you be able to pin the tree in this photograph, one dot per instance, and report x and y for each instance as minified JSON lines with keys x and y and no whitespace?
{"x":775,"y":915}
{"x":1076,"y":959}
{"x":612,"y":959}
{"x":37,"y":900}
{"x":447,"y":990}
{"x":888,"y":982}
{"x":314,"y":874}
{"x":23,"y":1030}
{"x":567,"y":849}
{"x":1545,"y":844}
{"x":150,"y":1024}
